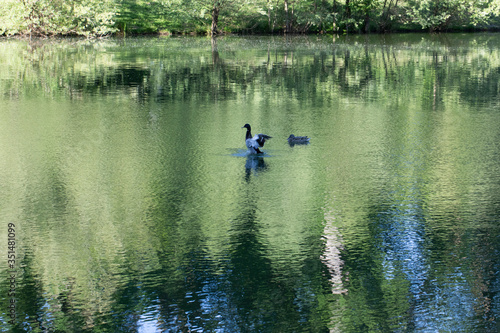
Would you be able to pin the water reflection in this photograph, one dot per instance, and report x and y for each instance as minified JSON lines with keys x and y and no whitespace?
{"x":332,"y":253}
{"x":403,"y":244}
{"x":249,"y":271}
{"x":132,"y":218}
{"x":254,"y":163}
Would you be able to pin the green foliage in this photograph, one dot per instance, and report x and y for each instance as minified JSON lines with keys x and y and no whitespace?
{"x":104,"y":17}
{"x":57,"y":17}
{"x":11,"y":13}
{"x":438,"y":15}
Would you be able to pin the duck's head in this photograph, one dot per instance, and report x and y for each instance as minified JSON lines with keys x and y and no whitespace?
{"x":291,"y":137}
{"x":247,"y":126}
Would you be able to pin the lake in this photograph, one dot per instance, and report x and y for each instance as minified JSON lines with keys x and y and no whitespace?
{"x":129,"y":203}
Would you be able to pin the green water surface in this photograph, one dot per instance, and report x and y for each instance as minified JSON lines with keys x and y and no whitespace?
{"x":136,"y":208}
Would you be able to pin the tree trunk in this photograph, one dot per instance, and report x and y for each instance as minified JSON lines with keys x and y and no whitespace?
{"x":215,"y":19}
{"x":269,"y":17}
{"x":288,"y":27}
{"x":347,"y":15}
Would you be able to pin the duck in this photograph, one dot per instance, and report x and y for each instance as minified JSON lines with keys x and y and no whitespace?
{"x":292,"y":139}
{"x":255,"y":142}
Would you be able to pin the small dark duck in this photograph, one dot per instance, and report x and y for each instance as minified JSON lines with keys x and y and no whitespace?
{"x":255,"y":142}
{"x":297,"y":140}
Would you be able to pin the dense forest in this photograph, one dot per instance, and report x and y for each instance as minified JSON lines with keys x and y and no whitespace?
{"x":93,"y":18}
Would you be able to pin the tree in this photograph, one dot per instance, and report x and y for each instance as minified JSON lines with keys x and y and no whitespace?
{"x":215,"y":17}
{"x":441,"y":14}
{"x":58,"y":17}
{"x":11,"y":17}
{"x":385,"y":16}
{"x":103,"y":17}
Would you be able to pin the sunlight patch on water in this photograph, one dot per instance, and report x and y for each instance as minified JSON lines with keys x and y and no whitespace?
{"x":148,"y":323}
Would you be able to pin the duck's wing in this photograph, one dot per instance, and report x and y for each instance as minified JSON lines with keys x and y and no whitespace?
{"x":253,"y":146}
{"x":251,"y":143}
{"x":261,"y":139}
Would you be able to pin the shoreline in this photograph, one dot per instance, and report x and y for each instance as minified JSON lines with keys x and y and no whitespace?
{"x":239,"y":33}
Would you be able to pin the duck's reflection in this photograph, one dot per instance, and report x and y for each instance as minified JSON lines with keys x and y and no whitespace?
{"x":255,"y":163}
{"x":293,"y":144}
